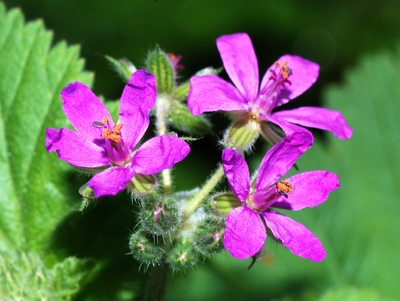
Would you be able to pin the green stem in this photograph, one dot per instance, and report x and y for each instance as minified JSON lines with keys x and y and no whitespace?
{"x":199,"y":197}
{"x":162,"y":104}
{"x":156,"y":285}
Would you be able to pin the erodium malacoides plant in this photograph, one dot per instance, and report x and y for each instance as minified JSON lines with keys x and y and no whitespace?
{"x":176,"y":230}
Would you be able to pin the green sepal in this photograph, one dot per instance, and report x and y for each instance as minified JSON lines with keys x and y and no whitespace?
{"x":183,"y":120}
{"x":123,"y":67}
{"x":142,"y":184}
{"x":144,"y":249}
{"x":207,"y":238}
{"x":182,"y":91}
{"x":224,"y":203}
{"x":242,"y":134}
{"x":159,"y":64}
{"x":182,"y":256}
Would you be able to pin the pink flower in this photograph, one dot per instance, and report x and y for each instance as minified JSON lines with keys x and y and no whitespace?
{"x":111,"y":150}
{"x":245,"y":232}
{"x":286,"y":79}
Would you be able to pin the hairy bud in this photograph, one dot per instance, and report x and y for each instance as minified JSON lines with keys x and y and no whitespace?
{"x":160,"y":217}
{"x":144,"y":249}
{"x":182,"y":256}
{"x":207,"y":238}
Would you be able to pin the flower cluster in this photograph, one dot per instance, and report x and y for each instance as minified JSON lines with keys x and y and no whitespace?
{"x":241,"y":219}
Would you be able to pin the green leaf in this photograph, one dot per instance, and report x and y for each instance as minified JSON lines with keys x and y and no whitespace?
{"x":35,"y":193}
{"x":352,"y":294}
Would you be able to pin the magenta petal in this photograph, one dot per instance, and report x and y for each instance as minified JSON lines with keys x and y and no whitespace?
{"x":75,"y":149}
{"x":111,"y":181}
{"x":237,"y":173}
{"x":281,"y":157}
{"x":245,"y":233}
{"x":159,"y":153}
{"x":82,"y":107}
{"x":240,"y":63}
{"x":209,"y":93}
{"x":304,"y":74}
{"x":294,"y":236}
{"x":138,"y":98}
{"x":309,"y":190}
{"x":319,"y":118}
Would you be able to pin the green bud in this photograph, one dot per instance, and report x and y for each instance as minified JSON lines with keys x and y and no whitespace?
{"x":123,"y":67}
{"x":159,"y":64}
{"x":224,"y":203}
{"x":144,"y":249}
{"x":242,"y":134}
{"x":183,"y":120}
{"x":207,"y":238}
{"x":142,"y":184}
{"x":160,"y":217}
{"x":182,"y":256}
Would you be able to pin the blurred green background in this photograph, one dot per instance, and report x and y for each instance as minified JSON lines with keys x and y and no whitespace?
{"x":358,"y":225}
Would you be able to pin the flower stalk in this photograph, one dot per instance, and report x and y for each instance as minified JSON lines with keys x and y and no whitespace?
{"x":192,"y":204}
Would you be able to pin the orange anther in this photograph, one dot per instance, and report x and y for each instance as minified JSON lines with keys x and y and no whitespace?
{"x":283,"y":188}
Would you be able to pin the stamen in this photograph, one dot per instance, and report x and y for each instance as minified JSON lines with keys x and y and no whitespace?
{"x":283,"y":188}
{"x":285,"y":70}
{"x":107,"y":133}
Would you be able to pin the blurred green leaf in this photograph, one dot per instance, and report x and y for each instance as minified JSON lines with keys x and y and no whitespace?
{"x":34,"y":190}
{"x":24,"y":276}
{"x":34,"y":193}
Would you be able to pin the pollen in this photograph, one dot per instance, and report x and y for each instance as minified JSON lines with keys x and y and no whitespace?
{"x":283,"y":188}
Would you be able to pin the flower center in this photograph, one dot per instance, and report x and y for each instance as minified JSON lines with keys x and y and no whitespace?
{"x":266,"y":99}
{"x":115,"y":146}
{"x":261,"y":200}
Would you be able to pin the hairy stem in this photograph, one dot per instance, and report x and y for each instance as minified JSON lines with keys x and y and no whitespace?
{"x":199,"y":197}
{"x":156,"y":285}
{"x":162,"y":104}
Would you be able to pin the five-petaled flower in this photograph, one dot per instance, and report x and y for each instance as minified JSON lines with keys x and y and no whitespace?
{"x":111,"y":150}
{"x":245,"y":233}
{"x":286,"y":79}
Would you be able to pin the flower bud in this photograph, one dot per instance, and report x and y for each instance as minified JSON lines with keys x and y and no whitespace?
{"x":160,"y":217}
{"x":159,"y":64}
{"x":223,"y":203}
{"x":142,"y":184}
{"x":242,"y":134}
{"x":144,"y":249}
{"x":182,"y":256}
{"x":207,"y":238}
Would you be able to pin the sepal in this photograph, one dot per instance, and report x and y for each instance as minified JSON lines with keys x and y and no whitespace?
{"x":142,"y":185}
{"x":223,"y":203}
{"x":242,"y":134}
{"x":123,"y":67}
